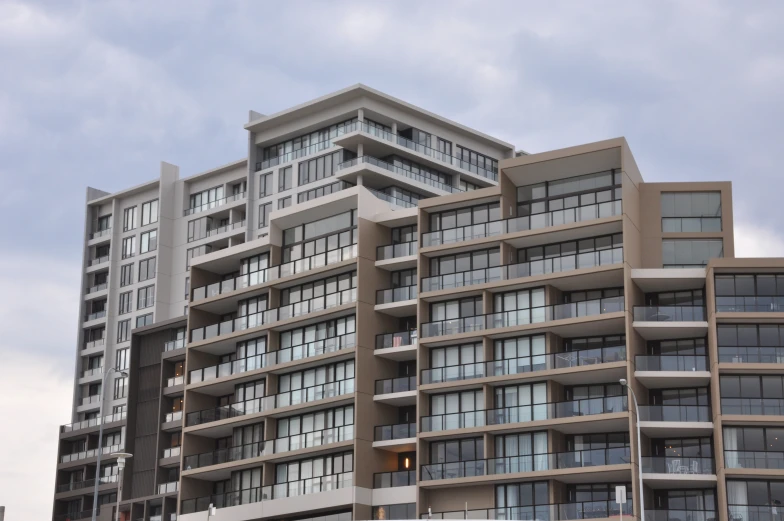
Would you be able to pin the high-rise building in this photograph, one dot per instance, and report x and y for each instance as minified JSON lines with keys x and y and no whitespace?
{"x":383,"y":314}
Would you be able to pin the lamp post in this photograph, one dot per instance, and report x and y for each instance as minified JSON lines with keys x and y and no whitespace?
{"x":100,"y":440}
{"x":639,"y":446}
{"x":121,"y":457}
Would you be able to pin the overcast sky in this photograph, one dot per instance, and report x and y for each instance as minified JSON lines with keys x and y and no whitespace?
{"x":98,"y":93}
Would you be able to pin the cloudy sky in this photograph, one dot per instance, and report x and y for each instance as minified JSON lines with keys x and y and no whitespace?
{"x":98,"y":93}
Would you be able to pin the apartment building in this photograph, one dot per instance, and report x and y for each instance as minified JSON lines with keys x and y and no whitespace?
{"x":382,"y":314}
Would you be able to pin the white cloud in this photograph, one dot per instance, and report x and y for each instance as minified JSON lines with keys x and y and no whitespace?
{"x":757,"y":241}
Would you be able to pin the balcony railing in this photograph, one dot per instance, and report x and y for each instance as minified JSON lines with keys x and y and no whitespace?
{"x":523,"y":317}
{"x":313,"y":439}
{"x":387,"y":296}
{"x":751,"y":355}
{"x":524,"y":269}
{"x":398,"y":170}
{"x":399,"y":431}
{"x":171,"y":452}
{"x":72,"y":516}
{"x":98,"y":260}
{"x":526,"y":463}
{"x":758,"y":406}
{"x":678,"y":465}
{"x":524,"y":223}
{"x":680,"y":515}
{"x":65,"y":458}
{"x":675,"y":413}
{"x":748,"y":459}
{"x":99,"y":233}
{"x":92,"y":372}
{"x":755,"y":512}
{"x":273,"y":315}
{"x":173,"y":417}
{"x":401,"y":478}
{"x":89,"y":483}
{"x":92,"y":422}
{"x":214,"y":204}
{"x":223,"y":412}
{"x":321,"y":191}
{"x":251,"y":363}
{"x":176,"y":380}
{"x":313,"y":485}
{"x":93,"y":398}
{"x":95,"y":315}
{"x":669,"y":313}
{"x":554,"y":512}
{"x":404,"y":338}
{"x":750,"y":304}
{"x":524,"y":364}
{"x":216,"y":457}
{"x":425,"y":150}
{"x":171,"y":345}
{"x":314,"y":393}
{"x":396,"y":385}
{"x":219,"y":230}
{"x":397,"y":201}
{"x":168,"y":488}
{"x":97,"y":288}
{"x":525,"y":413}
{"x":94,"y":343}
{"x":671,"y":363}
{"x":394,"y":251}
{"x":275,"y":272}
{"x":296,"y":154}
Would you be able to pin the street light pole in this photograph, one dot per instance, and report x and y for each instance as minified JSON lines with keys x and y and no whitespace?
{"x":639,"y":446}
{"x":121,"y":457}
{"x":100,"y":440}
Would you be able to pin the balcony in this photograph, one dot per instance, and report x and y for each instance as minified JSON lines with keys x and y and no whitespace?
{"x":754,"y":512}
{"x":750,"y":304}
{"x":680,"y":515}
{"x":72,"y":516}
{"x":168,"y":488}
{"x":523,"y":365}
{"x":527,"y":463}
{"x":554,"y":512}
{"x":92,"y":399}
{"x":260,"y":361}
{"x":669,"y":322}
{"x":397,"y":346}
{"x":97,"y":288}
{"x":171,"y":452}
{"x":216,"y":457}
{"x":751,"y":355}
{"x":305,"y":307}
{"x":369,"y":160}
{"x":753,"y":406}
{"x":296,"y":154}
{"x":523,"y":317}
{"x":521,"y":224}
{"x":399,"y":431}
{"x":175,"y":380}
{"x":746,"y":459}
{"x":669,"y":371}
{"x":93,"y":344}
{"x":396,"y":201}
{"x":95,"y":315}
{"x":525,"y":413}
{"x":396,"y":251}
{"x":76,"y":456}
{"x":213,"y":204}
{"x":663,"y":472}
{"x":96,"y":371}
{"x":219,"y":230}
{"x":396,"y":385}
{"x":524,"y":269}
{"x":90,"y":483}
{"x":312,"y":439}
{"x":388,"y":296}
{"x":99,"y":233}
{"x":401,"y":478}
{"x":171,"y":345}
{"x":93,"y":422}
{"x":98,"y":260}
{"x":175,"y":416}
{"x":669,"y":314}
{"x":671,"y":420}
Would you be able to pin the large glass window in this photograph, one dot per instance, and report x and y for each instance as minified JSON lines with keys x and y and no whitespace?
{"x":123,"y":331}
{"x":584,"y":253}
{"x":147,"y":269}
{"x":472,"y":215}
{"x":521,"y":299}
{"x":129,"y":218}
{"x":304,"y":141}
{"x":751,"y":343}
{"x":754,"y":500}
{"x":477,"y":159}
{"x":126,"y":275}
{"x":522,"y":497}
{"x":332,"y":233}
{"x":322,"y":167}
{"x":125,"y":303}
{"x":150,"y":212}
{"x":750,"y":293}
{"x":319,"y":288}
{"x":691,"y":211}
{"x":689,"y":253}
{"x":528,"y":400}
{"x":149,"y":241}
{"x":754,"y":447}
{"x":311,"y":469}
{"x":264,"y":213}
{"x":206,"y":197}
{"x":316,"y":421}
{"x":418,"y":169}
{"x":453,"y":309}
{"x":145,"y":297}
{"x":561,"y":197}
{"x":458,"y":402}
{"x":325,"y":374}
{"x":128,"y":247}
{"x":297,"y":339}
{"x":284,"y":179}
{"x":265,"y":185}
{"x":685,"y":500}
{"x":744,"y":394}
{"x":469,"y":261}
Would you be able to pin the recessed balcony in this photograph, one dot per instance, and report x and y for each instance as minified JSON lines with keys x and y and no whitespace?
{"x":398,"y":302}
{"x":92,"y":422}
{"x":681,"y":472}
{"x":669,"y":322}
{"x":397,"y":346}
{"x":400,"y":437}
{"x":400,"y":478}
{"x":397,"y":256}
{"x":659,"y":421}
{"x":396,"y":391}
{"x":88,"y":483}
{"x":214,"y":204}
{"x":672,"y":371}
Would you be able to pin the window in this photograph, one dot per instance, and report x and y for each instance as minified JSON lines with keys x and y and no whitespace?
{"x":681,"y":347}
{"x":144,"y":320}
{"x":422,"y":173}
{"x":443,"y":455}
{"x":585,"y":253}
{"x":297,"y":343}
{"x":303,"y":145}
{"x":455,"y":316}
{"x":754,"y":500}
{"x":602,"y":495}
{"x":465,"y":217}
{"x":694,"y":297}
{"x":146,"y":297}
{"x":398,"y":511}
{"x":525,"y":500}
{"x":239,"y":188}
{"x":532,"y":299}
{"x":453,"y":410}
{"x":691,"y":211}
{"x":331,"y":373}
{"x":206,"y":199}
{"x":284,"y":202}
{"x":762,"y":395}
{"x":746,"y":447}
{"x":758,"y":293}
{"x":687,"y":253}
{"x":687,"y":499}
{"x":149,"y":241}
{"x":147,"y":269}
{"x":264,"y":212}
{"x":121,"y":359}
{"x":444,"y":146}
{"x":462,"y":262}
{"x":187,"y":287}
{"x":120,"y":389}
{"x":750,"y":343}
{"x":150,"y":212}
{"x":404,"y":278}
{"x":123,"y":330}
{"x":196,"y":252}
{"x":315,"y":422}
{"x":321,"y":290}
{"x":128,"y":247}
{"x":307,"y":469}
{"x":129,"y":219}
{"x":126,"y":275}
{"x":265,"y":185}
{"x":284,"y":179}
{"x":404,"y":234}
{"x":454,"y":363}
{"x":486,"y":165}
{"x":401,"y":196}
{"x":322,"y":167}
{"x":252,"y":306}
{"x":125,"y":303}
{"x":526,"y":352}
{"x":103,"y":223}
{"x":321,"y":191}
{"x":467,"y":187}
{"x":321,"y":237}
{"x":524,"y":402}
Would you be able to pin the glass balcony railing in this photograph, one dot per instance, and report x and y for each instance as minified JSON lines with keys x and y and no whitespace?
{"x":527,"y":463}
{"x":313,"y":485}
{"x":755,"y":513}
{"x":771,"y":304}
{"x":91,"y":453}
{"x":251,"y":363}
{"x":757,"y":406}
{"x":100,"y":233}
{"x":314,"y":393}
{"x":523,"y":317}
{"x":553,"y":410}
{"x":171,"y":452}
{"x":175,"y":380}
{"x":321,"y":191}
{"x":227,"y":499}
{"x":89,"y":483}
{"x":97,"y":287}
{"x":216,"y":457}
{"x":396,"y":385}
{"x":525,"y":269}
{"x":168,"y":488}
{"x":524,"y":223}
{"x":751,"y":355}
{"x":95,"y":315}
{"x":213,"y":204}
{"x":93,"y":398}
{"x":677,"y":465}
{"x":387,"y":296}
{"x":394,"y":251}
{"x":680,"y":515}
{"x":669,"y":313}
{"x":98,"y":260}
{"x":273,"y":315}
{"x":295,"y":154}
{"x":400,"y":478}
{"x":400,"y":431}
{"x":675,"y":413}
{"x":93,"y":422}
{"x":671,"y":363}
{"x":223,"y":412}
{"x":171,"y":345}
{"x":525,"y":364}
{"x":554,"y":512}
{"x":404,"y":338}
{"x":219,"y":230}
{"x":748,"y":459}
{"x":313,"y":439}
{"x":173,"y":417}
{"x":73,"y":516}
{"x":91,"y":372}
{"x":368,"y":160}
{"x":397,"y":201}
{"x":94,"y":343}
